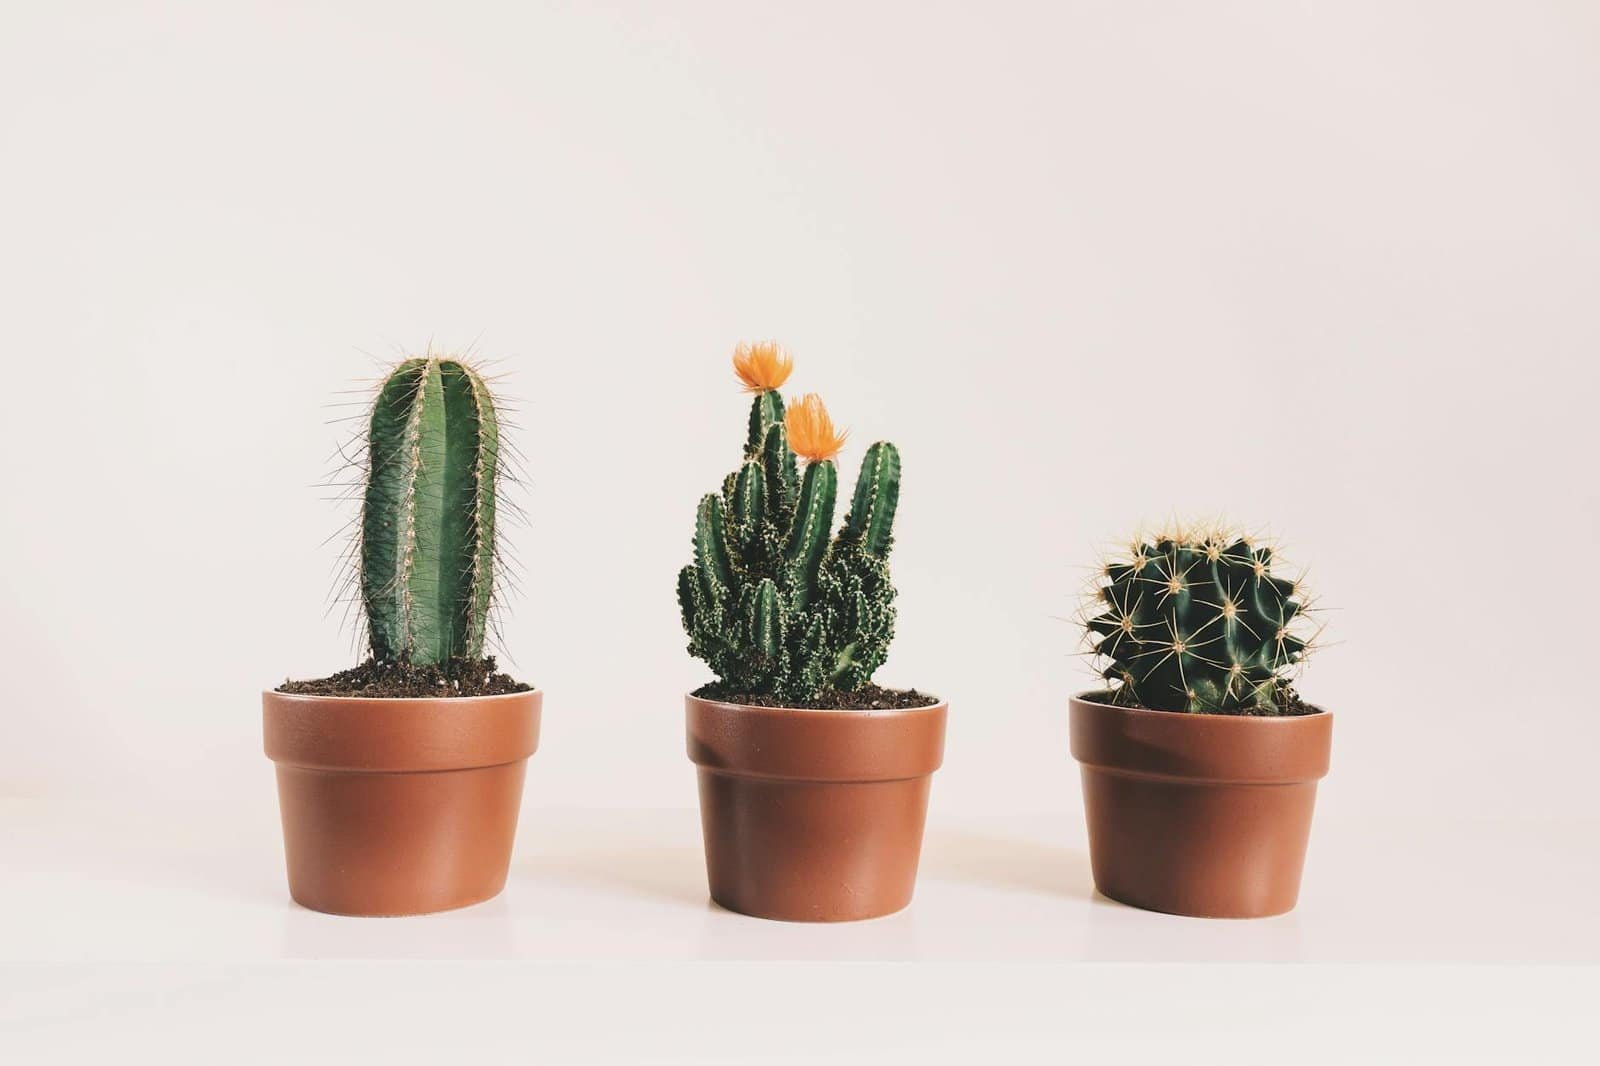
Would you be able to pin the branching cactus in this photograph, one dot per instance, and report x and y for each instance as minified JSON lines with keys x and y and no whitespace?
{"x":1197,"y":621}
{"x":774,"y":602}
{"x":427,"y":547}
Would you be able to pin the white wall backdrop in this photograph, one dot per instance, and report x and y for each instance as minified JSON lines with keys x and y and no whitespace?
{"x":1330,"y":269}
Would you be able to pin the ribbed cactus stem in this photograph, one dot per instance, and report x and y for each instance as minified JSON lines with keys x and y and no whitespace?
{"x":812,"y":526}
{"x":428,"y":516}
{"x":749,"y":505}
{"x":766,"y":410}
{"x":766,"y":621}
{"x":782,"y":470}
{"x":877,"y":495}
{"x":711,"y":547}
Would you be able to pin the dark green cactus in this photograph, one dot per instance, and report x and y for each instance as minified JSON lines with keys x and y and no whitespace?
{"x":775,"y":603}
{"x":428,"y":516}
{"x":1198,"y":622}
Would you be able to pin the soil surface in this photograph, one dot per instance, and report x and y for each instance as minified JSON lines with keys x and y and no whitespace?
{"x":871,"y":698}
{"x":1290,"y":705}
{"x":457,"y":677}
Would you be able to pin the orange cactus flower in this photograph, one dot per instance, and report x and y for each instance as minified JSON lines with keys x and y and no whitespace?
{"x":811,"y":432}
{"x":762,"y":366}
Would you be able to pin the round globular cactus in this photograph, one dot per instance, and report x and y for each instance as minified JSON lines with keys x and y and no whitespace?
{"x":427,"y":546}
{"x":775,"y":602}
{"x":1197,"y":621}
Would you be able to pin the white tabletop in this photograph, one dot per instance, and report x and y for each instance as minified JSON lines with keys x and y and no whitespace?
{"x":604,"y":948}
{"x":107,"y":884}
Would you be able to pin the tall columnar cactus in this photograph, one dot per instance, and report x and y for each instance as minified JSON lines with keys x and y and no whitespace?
{"x":774,"y":602}
{"x":427,"y":519}
{"x":1196,"y":621}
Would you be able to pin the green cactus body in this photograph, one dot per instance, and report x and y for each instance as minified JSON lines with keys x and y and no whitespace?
{"x":871,"y":517}
{"x":782,"y":472}
{"x":812,"y":526}
{"x":428,"y":516}
{"x":765,"y":412}
{"x":1198,"y":624}
{"x":774,"y":602}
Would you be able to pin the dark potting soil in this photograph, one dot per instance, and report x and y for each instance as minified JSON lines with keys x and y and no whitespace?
{"x":457,"y":677}
{"x":1290,"y":705}
{"x":870,"y":698}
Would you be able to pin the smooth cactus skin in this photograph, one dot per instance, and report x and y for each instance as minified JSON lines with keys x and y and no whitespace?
{"x":771,"y":602}
{"x":1198,"y":623}
{"x":428,"y":515}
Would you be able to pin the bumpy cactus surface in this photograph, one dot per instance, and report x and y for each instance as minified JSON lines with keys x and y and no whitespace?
{"x":1197,"y":621}
{"x":427,"y":547}
{"x":774,"y":602}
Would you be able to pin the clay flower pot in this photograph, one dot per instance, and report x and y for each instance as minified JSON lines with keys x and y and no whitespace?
{"x":1199,"y":814}
{"x":813,"y":816}
{"x":399,"y":806}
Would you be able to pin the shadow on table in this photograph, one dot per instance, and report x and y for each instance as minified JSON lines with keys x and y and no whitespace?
{"x":1007,"y":863}
{"x":480,"y":931}
{"x":671,"y":874}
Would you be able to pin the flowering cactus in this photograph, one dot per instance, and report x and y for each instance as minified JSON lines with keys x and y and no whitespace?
{"x":774,"y":602}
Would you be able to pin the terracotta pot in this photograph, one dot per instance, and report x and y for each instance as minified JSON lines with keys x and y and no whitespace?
{"x":399,"y":806}
{"x":813,"y":816}
{"x":1199,"y":814}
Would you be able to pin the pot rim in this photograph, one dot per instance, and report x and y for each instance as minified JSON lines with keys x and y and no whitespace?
{"x":1142,"y":712}
{"x":1200,"y":748}
{"x":307,"y":697}
{"x":813,"y":744}
{"x":373,"y":734}
{"x":883,"y":712}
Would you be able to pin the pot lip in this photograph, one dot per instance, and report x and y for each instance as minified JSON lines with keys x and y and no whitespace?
{"x":781,"y":712}
{"x":399,"y":701}
{"x":407,"y":735}
{"x":1085,"y":699}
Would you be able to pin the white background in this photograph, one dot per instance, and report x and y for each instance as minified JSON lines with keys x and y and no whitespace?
{"x":1329,"y":270}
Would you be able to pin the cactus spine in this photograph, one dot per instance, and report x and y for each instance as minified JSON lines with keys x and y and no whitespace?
{"x":1198,"y":622}
{"x":774,"y":602}
{"x":428,"y":515}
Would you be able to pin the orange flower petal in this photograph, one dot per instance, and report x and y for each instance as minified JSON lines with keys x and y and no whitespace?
{"x":811,"y":432}
{"x":762,"y":366}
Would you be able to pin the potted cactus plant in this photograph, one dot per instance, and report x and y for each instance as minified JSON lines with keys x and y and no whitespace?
{"x":1200,"y":764}
{"x":400,"y":781}
{"x":813,"y":781}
